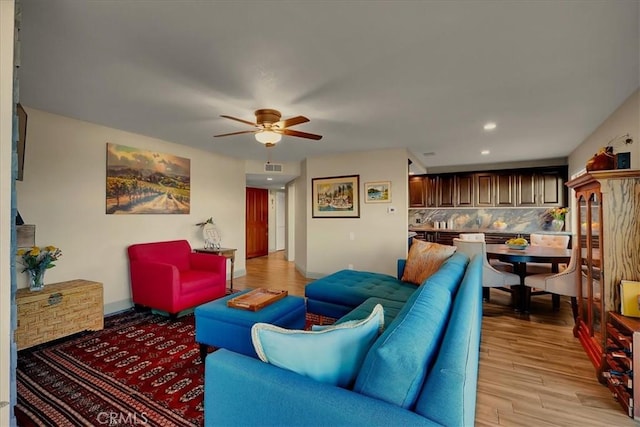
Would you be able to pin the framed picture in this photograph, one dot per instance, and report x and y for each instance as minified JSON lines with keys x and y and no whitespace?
{"x":336,"y":197}
{"x":377,"y":192}
{"x":146,"y":182}
{"x":22,"y":134}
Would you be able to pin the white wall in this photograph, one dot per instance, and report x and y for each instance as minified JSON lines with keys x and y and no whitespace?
{"x":6,"y":120}
{"x":300,"y":219}
{"x":380,"y":238}
{"x":625,"y":119}
{"x":280,"y":222}
{"x":63,"y":194}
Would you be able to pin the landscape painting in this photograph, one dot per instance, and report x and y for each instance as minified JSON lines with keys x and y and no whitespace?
{"x":377,"y":192}
{"x":146,"y":182}
{"x":336,"y":197}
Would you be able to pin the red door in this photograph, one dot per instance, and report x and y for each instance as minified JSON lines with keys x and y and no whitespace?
{"x":257,"y":222}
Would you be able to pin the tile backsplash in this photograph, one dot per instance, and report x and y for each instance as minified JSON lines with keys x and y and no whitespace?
{"x":520,"y":220}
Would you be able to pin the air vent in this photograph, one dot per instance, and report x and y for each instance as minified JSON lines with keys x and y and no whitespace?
{"x":272,"y":167}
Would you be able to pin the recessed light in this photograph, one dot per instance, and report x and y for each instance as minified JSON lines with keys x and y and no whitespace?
{"x":269,"y":179}
{"x":485,"y":152}
{"x":490,"y":126}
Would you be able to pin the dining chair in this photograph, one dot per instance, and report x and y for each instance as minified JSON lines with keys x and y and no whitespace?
{"x":491,"y":277}
{"x":550,"y":241}
{"x":495,"y":263}
{"x":557,"y":284}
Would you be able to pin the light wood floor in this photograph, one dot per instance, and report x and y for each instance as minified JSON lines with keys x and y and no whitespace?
{"x":533,"y":372}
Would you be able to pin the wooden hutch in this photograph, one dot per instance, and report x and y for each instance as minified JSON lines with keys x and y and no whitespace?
{"x":608,"y":230}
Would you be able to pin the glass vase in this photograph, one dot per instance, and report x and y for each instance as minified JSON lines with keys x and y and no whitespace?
{"x":557,"y":225}
{"x":36,"y":279}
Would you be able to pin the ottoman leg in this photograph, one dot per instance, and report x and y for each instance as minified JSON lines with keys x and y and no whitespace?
{"x":204,"y":350}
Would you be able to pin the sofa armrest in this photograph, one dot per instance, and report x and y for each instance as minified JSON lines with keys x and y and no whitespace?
{"x":241,"y":390}
{"x":208,"y":262}
{"x":149,"y":279}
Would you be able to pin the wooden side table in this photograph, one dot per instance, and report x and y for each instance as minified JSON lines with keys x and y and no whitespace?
{"x":229,"y":253}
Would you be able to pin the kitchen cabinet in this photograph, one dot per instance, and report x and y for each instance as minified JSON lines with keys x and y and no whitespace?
{"x":446,"y":191}
{"x":505,"y":190}
{"x":431,"y":186}
{"x":608,"y":232}
{"x":417,"y":192}
{"x":484,"y":186}
{"x":540,"y":188}
{"x":535,"y":187}
{"x":464,"y":186}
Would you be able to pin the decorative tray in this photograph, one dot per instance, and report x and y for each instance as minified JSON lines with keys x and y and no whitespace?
{"x":257,"y":299}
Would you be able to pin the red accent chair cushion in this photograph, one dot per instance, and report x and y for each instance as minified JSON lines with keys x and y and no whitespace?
{"x":168,"y":276}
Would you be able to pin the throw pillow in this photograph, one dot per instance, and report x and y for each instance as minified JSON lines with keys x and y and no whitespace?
{"x":332,"y":355}
{"x":425,"y":258}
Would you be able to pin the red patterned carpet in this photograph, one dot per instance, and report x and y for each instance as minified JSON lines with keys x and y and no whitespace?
{"x":142,"y":369}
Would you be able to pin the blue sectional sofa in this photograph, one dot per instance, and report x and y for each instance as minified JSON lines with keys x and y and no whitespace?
{"x":422,"y":370}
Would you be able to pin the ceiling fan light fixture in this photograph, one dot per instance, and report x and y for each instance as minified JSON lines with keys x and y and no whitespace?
{"x":268,"y":137}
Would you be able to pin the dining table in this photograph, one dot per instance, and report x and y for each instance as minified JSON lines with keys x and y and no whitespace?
{"x":519,"y":259}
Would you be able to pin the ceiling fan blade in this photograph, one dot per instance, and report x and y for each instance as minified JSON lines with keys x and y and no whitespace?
{"x":239,"y":120}
{"x":299,"y":134}
{"x":236,"y":133}
{"x":291,"y":122}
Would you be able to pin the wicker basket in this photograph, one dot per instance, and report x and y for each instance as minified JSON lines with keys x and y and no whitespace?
{"x":61,"y":309}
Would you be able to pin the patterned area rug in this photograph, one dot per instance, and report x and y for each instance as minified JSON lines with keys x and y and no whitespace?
{"x":142,"y":369}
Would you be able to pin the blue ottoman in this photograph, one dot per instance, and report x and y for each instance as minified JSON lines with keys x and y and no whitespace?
{"x":220,"y":326}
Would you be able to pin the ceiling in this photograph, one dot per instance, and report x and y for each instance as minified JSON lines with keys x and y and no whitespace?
{"x":425,"y":75}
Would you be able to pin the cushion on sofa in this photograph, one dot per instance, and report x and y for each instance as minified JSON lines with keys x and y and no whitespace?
{"x":424,"y":259}
{"x":397,"y":363}
{"x":391,"y":310}
{"x":344,"y":290}
{"x":332,"y":355}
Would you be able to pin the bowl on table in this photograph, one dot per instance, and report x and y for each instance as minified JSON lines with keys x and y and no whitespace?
{"x":517,"y":247}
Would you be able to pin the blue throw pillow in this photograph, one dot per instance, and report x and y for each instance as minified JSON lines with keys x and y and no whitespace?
{"x":332,"y":355}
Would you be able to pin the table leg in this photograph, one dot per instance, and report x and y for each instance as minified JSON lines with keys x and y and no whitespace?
{"x":232,"y":258}
{"x":523,"y":293}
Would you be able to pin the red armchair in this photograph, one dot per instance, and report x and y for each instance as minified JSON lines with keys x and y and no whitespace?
{"x":168,"y":276}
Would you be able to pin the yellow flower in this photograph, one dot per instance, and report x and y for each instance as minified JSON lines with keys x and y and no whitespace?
{"x":50,"y":248}
{"x":558,"y":213}
{"x":35,"y":251}
{"x":21,"y":252}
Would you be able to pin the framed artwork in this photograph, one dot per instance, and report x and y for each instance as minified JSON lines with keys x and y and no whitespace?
{"x":146,"y":182}
{"x":22,"y":134}
{"x":336,"y":197}
{"x":377,"y":192}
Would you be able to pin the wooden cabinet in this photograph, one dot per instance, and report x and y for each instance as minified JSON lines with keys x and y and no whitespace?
{"x":540,"y":189}
{"x":537,"y":187}
{"x":551,"y":189}
{"x":446,"y":191}
{"x":623,"y":335}
{"x":505,"y":190}
{"x":464,"y":188}
{"x":607,"y":212}
{"x":431,"y":186}
{"x":484,"y":185}
{"x":417,"y":192}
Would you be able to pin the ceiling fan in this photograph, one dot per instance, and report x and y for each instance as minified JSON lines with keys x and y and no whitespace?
{"x":269,"y":128}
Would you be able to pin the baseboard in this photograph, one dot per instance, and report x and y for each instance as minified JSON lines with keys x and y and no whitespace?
{"x":115,"y":307}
